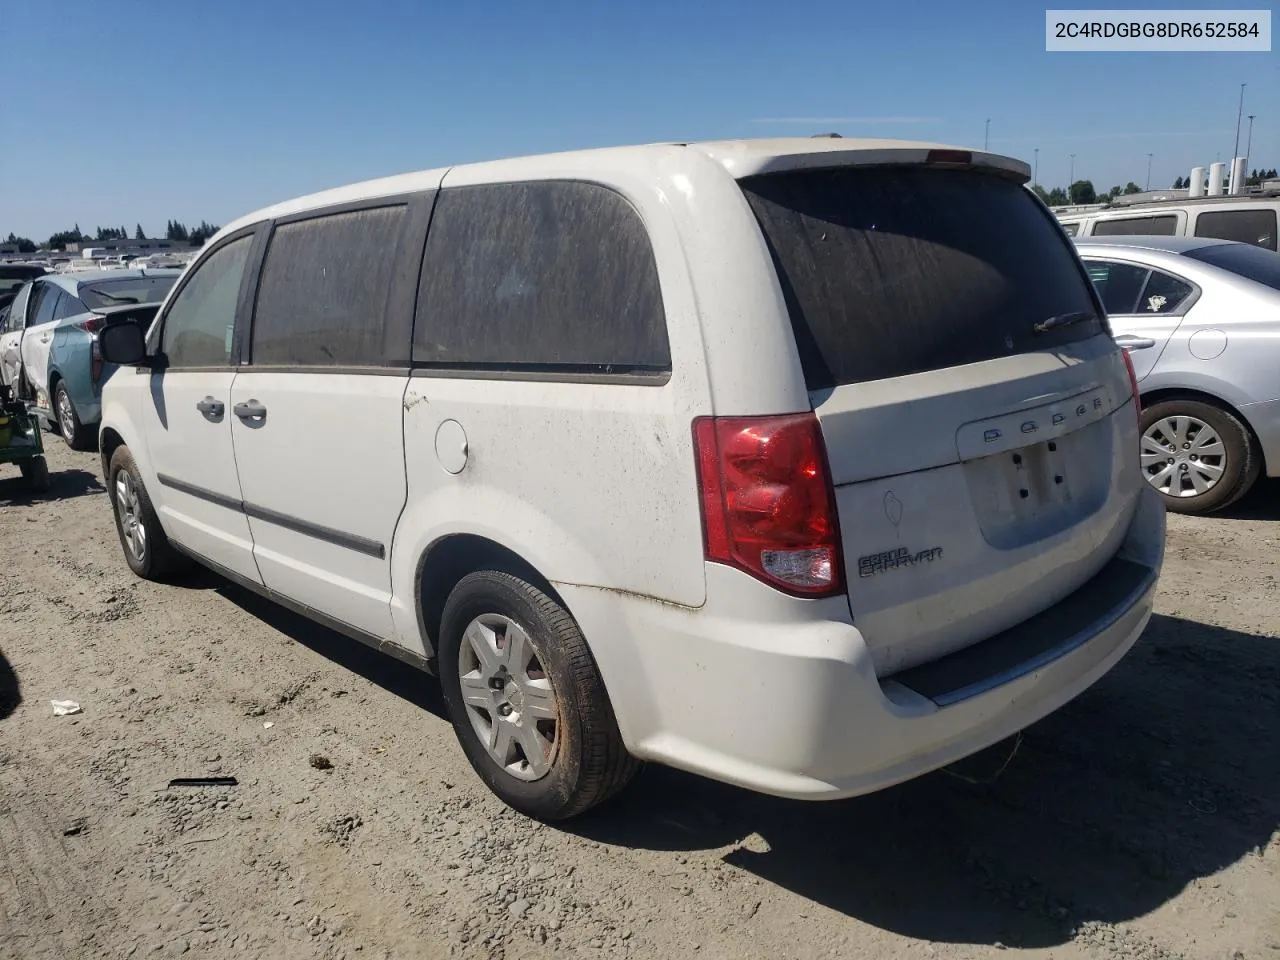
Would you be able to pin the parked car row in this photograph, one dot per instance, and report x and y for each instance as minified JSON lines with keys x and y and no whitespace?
{"x":809,"y":465}
{"x":49,"y":342}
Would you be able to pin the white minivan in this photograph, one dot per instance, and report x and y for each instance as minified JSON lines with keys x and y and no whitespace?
{"x":807,"y":465}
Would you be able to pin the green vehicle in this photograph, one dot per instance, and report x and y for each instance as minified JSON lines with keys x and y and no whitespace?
{"x":21,"y":441}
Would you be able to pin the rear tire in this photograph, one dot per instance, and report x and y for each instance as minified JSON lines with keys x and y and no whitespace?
{"x":1172,"y":429}
{"x":583,"y":761}
{"x":36,"y":472}
{"x":147,"y":550}
{"x":76,"y":434}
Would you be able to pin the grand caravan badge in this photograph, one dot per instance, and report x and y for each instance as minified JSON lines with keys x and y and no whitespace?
{"x":874,"y":563}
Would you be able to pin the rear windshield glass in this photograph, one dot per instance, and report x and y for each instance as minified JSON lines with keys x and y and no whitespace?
{"x":889,"y":271}
{"x":1252,"y":263}
{"x":113,"y":293}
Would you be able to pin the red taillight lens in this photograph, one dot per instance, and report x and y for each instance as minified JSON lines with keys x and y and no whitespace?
{"x":1133,"y":381}
{"x":767,"y":503}
{"x":92,"y":324}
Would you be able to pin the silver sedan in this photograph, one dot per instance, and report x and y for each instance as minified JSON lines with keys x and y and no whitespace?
{"x":1201,"y":321}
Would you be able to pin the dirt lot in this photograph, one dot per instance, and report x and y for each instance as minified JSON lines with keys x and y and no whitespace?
{"x":1142,"y":821}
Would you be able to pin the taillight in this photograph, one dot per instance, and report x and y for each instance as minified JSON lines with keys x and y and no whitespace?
{"x":1133,"y":381}
{"x":92,"y":323}
{"x":95,"y":361}
{"x":767,"y":502}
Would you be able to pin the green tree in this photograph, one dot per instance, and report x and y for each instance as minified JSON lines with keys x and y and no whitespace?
{"x":1040,"y":192}
{"x":59,"y":241}
{"x":200,"y":234}
{"x":1131,"y":187}
{"x":176,"y":231}
{"x":1082,"y":191}
{"x":1057,"y":197}
{"x":24,"y":244}
{"x":138,"y":234}
{"x":1114,"y":192}
{"x":1178,"y":184}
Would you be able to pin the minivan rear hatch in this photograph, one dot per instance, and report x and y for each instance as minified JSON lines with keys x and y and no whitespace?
{"x":974,"y":408}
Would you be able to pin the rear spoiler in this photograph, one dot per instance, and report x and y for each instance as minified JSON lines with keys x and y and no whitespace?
{"x":816,"y":155}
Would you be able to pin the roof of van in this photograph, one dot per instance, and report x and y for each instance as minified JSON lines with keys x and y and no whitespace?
{"x":741,"y":158}
{"x":1167,"y":244}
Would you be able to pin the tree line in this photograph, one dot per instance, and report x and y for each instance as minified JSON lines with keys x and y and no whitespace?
{"x":1084,"y":192}
{"x":175,"y":230}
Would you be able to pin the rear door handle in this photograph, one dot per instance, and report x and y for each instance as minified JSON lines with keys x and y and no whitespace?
{"x":211,"y":408}
{"x":250,"y":410}
{"x":1130,"y":342}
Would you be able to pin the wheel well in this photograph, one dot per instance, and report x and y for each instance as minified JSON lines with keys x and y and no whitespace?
{"x":448,"y":560}
{"x":1180,"y":393}
{"x":110,"y":441}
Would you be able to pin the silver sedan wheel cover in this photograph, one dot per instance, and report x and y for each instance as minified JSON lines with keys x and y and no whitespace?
{"x":66,"y":415}
{"x":508,"y":696}
{"x":1183,"y":456}
{"x":129,"y":509}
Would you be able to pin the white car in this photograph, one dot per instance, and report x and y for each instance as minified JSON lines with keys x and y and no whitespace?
{"x":807,"y":465}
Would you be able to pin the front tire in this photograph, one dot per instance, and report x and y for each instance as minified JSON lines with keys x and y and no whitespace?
{"x":146,"y":548}
{"x":1199,"y":457}
{"x":76,"y":434}
{"x":36,"y":472}
{"x":526,"y":700}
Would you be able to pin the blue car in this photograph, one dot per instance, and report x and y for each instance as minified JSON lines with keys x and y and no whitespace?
{"x":49,"y":342}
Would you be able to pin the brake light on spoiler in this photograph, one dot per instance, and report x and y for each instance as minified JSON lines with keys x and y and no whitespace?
{"x":949,"y":156}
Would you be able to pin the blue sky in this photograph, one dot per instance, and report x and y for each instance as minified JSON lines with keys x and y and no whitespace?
{"x":207,"y":110}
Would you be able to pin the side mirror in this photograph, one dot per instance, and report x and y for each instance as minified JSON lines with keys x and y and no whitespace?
{"x":123,"y":344}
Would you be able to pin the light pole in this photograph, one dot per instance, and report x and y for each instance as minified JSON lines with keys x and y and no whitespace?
{"x":1248,"y":150}
{"x":1239,"y":114}
{"x":1035,"y":170}
{"x":1149,"y":156}
{"x":986,"y":136}
{"x":1071,"y":178}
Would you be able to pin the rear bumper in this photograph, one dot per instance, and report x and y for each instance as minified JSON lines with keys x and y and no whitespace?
{"x":781,"y":696}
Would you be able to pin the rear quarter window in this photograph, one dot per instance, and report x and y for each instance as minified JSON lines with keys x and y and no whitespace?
{"x":545,"y":276}
{"x":889,"y":271}
{"x":1256,"y":227}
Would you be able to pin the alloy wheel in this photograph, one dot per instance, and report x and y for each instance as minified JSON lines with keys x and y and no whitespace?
{"x":1183,"y":456}
{"x":66,"y":414}
{"x":129,"y":509}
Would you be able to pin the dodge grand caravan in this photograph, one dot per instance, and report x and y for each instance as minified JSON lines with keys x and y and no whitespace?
{"x":807,"y":465}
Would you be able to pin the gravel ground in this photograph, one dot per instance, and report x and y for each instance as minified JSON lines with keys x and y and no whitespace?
{"x":1141,"y":821}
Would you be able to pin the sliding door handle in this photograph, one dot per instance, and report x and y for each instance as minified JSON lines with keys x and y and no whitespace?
{"x":250,"y":410}
{"x":211,"y":408}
